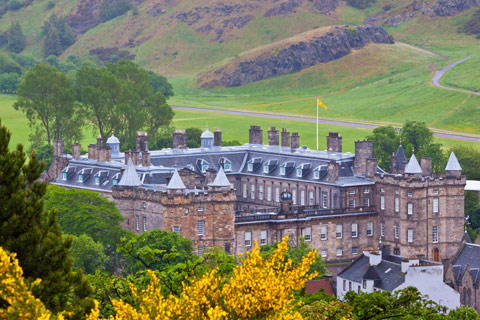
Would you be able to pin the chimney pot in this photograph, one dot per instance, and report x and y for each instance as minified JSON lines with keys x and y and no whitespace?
{"x":76,"y":150}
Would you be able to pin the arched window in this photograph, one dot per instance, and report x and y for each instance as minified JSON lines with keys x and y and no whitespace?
{"x":436,"y":255}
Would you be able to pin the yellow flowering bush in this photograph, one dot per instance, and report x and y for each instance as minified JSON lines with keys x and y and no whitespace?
{"x":21,"y":304}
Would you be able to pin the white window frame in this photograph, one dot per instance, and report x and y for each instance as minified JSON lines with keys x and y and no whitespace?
{"x":324,"y":199}
{"x":227,"y":166}
{"x":252,"y":191}
{"x":382,"y":202}
{"x":277,"y":194}
{"x":302,"y":197}
{"x":80,"y":178}
{"x":354,"y":230}
{"x":250,"y":167}
{"x":311,"y":199}
{"x":260,"y":192}
{"x":435,"y":192}
{"x":435,"y":205}
{"x":176,"y":229}
{"x":200,"y":209}
{"x":382,"y":229}
{"x":248,"y":238}
{"x":64,"y":176}
{"x":294,"y":196}
{"x":201,"y":227}
{"x":410,"y":194}
{"x":351,"y":191}
{"x":263,"y":237}
{"x":307,"y":233}
{"x":245,"y":190}
{"x":435,"y":234}
{"x":269,"y":193}
{"x":144,"y":223}
{"x":265,"y":168}
{"x":366,"y":190}
{"x":351,"y":203}
{"x":366,"y":202}
{"x":397,"y":231}
{"x":137,"y":221}
{"x":339,"y":252}
{"x":316,"y":174}
{"x":409,"y":208}
{"x":370,"y":229}
{"x":97,"y":181}
{"x":410,"y":235}
{"x":382,"y":189}
{"x":324,"y":253}
{"x":354,"y":251}
{"x":114,"y":182}
{"x":299,"y":173}
{"x":186,"y":211}
{"x":339,"y":231}
{"x":282,"y":171}
{"x":397,"y":204}
{"x":323,"y":232}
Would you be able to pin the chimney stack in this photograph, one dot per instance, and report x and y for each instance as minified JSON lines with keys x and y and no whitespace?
{"x":58,"y":148}
{"x":76,"y":150}
{"x":285,"y":138}
{"x":135,"y":157}
{"x":217,"y":138}
{"x":295,"y":140}
{"x":104,"y":154}
{"x":334,"y":142}
{"x":179,"y":139}
{"x":363,"y":151}
{"x":426,"y":165}
{"x":273,"y":137}
{"x":128,"y":155}
{"x":371,"y":167}
{"x":99,"y":142}
{"x":142,"y":141}
{"x":255,"y":135}
{"x":92,"y":152}
{"x":146,"y":159}
{"x":332,"y":172}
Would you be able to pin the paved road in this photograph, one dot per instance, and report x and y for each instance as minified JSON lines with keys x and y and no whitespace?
{"x":437,"y":132}
{"x":439,"y":73}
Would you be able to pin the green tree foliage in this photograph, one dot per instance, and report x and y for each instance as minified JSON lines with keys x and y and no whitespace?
{"x":233,"y":142}
{"x":112,"y":9}
{"x":87,"y":254}
{"x":27,"y":229}
{"x":159,"y":114}
{"x":47,"y":98}
{"x":9,"y":82}
{"x":193,"y":137}
{"x":8,"y":65}
{"x":469,"y":159}
{"x":296,"y":254}
{"x":52,"y":45}
{"x":16,"y":39}
{"x":14,"y":5}
{"x":45,"y":154}
{"x":160,"y":84}
{"x":64,"y":35}
{"x":360,"y":4}
{"x":385,"y":142}
{"x":403,"y":304}
{"x":86,"y":212}
{"x":472,"y":26}
{"x":463,"y":313}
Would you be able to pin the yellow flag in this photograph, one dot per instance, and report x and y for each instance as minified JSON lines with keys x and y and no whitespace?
{"x":320,"y":103}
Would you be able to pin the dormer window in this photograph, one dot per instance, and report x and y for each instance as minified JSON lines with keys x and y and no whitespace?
{"x":114,"y":182}
{"x":303,"y":169}
{"x":227,"y":166}
{"x":299,"y":173}
{"x":205,"y":167}
{"x":265,"y":168}
{"x":202,"y":165}
{"x":80,"y":178}
{"x":97,"y":181}
{"x":64,"y":176}
{"x":269,"y":166}
{"x":287,"y":167}
{"x":316,"y":174}
{"x":282,"y":171}
{"x":250,"y":167}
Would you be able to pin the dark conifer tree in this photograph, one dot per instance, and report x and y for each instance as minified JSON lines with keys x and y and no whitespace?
{"x":52,"y":45}
{"x":16,"y":39}
{"x":27,"y":229}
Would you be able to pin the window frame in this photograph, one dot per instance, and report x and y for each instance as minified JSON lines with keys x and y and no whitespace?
{"x":369,"y":231}
{"x":435,"y":234}
{"x":323,"y":232}
{"x":339,"y":252}
{"x":248,"y":238}
{"x":397,"y":204}
{"x":382,"y":202}
{"x":307,"y":233}
{"x":200,"y":227}
{"x":436,"y":205}
{"x":339,"y":231}
{"x":410,"y":235}
{"x":409,"y":208}
{"x":355,"y":230}
{"x":263,"y":237}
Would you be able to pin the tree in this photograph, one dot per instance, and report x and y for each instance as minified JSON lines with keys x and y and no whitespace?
{"x":87,"y":254}
{"x":8,"y":65}
{"x":113,"y":9}
{"x":52,"y":45}
{"x":415,"y":137}
{"x":86,"y":212}
{"x":385,"y":142}
{"x":160,"y":84}
{"x":46,"y":96}
{"x":16,"y":39}
{"x":469,"y":159}
{"x":32,"y":232}
{"x":463,"y":313}
{"x":160,"y":114}
{"x":9,"y":82}
{"x":402,"y":304}
{"x":193,"y":137}
{"x":65,"y":35}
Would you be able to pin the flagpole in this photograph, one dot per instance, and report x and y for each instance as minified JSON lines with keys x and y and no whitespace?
{"x":317,"y":123}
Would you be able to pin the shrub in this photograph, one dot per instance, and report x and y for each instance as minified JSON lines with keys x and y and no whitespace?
{"x":14,"y":5}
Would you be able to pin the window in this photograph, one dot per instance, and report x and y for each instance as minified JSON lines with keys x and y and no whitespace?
{"x":339,"y":231}
{"x":351,"y":204}
{"x":260,"y":192}
{"x":97,"y":181}
{"x":310,"y":198}
{"x":200,"y":227}
{"x":250,"y":166}
{"x":176,"y":229}
{"x":269,"y":193}
{"x":282,"y":171}
{"x":302,"y":197}
{"x":366,"y":202}
{"x":265,"y":168}
{"x":435,"y":234}
{"x":435,"y":205}
{"x":324,"y":253}
{"x":316,"y":174}
{"x":200,"y":209}
{"x":382,"y":202}
{"x":227,"y":166}
{"x":64,"y":176}
{"x":344,"y":285}
{"x":200,"y":251}
{"x":369,"y":228}
{"x":410,"y":235}
{"x":137,"y":222}
{"x":351,"y":191}
{"x":245,"y":190}
{"x":263,"y":237}
{"x":382,"y":229}
{"x":339,"y":252}
{"x":248,"y":239}
{"x":114,"y":182}
{"x":252,"y":192}
{"x":397,"y":231}
{"x":307,"y":233}
{"x":435,"y":192}
{"x":294,"y":196}
{"x":350,"y":285}
{"x":366,"y":190}
{"x":80,"y":178}
{"x":324,"y":199}
{"x":186,"y":211}
{"x":364,"y":284}
{"x":396,"y":251}
{"x":323,"y":233}
{"x":410,"y":194}
{"x":354,"y":230}
{"x":204,"y":167}
{"x":277,"y":194}
{"x":382,"y":189}
{"x":144,"y":223}
{"x":354,"y":250}
{"x":409,"y":208}
{"x":299,"y":173}
{"x":397,"y":204}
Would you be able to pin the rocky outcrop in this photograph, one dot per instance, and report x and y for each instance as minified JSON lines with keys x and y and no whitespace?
{"x":333,"y":45}
{"x":284,"y":8}
{"x":452,"y":7}
{"x":326,"y":6}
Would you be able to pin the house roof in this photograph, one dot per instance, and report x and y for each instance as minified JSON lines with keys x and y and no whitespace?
{"x":400,"y":157}
{"x":207,"y":134}
{"x":176,"y":182}
{"x":413,"y":166}
{"x":130,"y":176}
{"x":313,"y":286}
{"x":452,"y":164}
{"x":468,"y":255}
{"x":221,"y":179}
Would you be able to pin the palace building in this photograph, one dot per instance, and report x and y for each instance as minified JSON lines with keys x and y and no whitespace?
{"x":341,"y":203}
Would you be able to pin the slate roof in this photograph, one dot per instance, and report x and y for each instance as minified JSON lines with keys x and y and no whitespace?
{"x":176,"y":182}
{"x":469,"y":255}
{"x":221,"y":180}
{"x":207,"y":134}
{"x":452,"y":164}
{"x":400,"y":157}
{"x":413,"y":166}
{"x":130,"y":176}
{"x":113,"y":139}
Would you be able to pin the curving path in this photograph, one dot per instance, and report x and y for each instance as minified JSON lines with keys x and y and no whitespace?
{"x":437,"y":132}
{"x":439,"y":74}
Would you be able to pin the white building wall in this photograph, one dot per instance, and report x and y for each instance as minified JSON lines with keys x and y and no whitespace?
{"x":429,"y":281}
{"x":355,"y":285}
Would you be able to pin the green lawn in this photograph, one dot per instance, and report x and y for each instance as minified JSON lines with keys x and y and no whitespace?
{"x":465,"y":75}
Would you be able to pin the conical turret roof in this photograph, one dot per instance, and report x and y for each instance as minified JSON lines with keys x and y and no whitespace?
{"x":176,"y":182}
{"x":453,"y":164}
{"x":400,"y":157}
{"x":130,"y":176}
{"x":221,"y":179}
{"x":413,"y":166}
